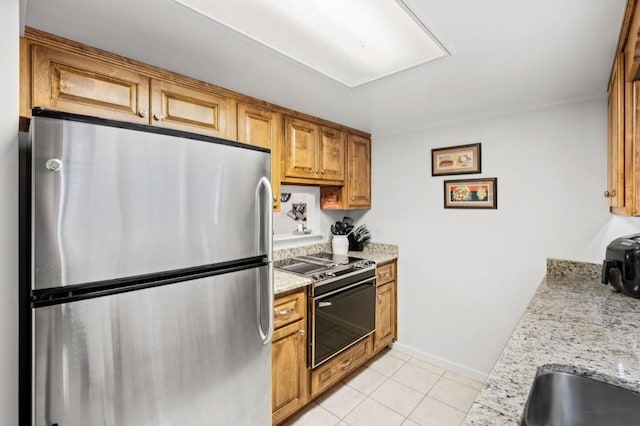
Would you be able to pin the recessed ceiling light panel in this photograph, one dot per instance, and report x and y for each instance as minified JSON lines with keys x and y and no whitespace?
{"x":351,"y":41}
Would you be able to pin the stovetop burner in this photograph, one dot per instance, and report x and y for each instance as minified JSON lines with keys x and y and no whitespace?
{"x":323,"y":266}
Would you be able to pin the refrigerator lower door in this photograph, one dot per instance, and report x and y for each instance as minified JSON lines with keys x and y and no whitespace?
{"x":189,"y":353}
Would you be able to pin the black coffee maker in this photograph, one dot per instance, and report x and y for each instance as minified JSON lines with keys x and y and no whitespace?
{"x":621,"y":268}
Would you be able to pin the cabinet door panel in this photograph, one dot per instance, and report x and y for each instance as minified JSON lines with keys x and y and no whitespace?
{"x":359,"y":172}
{"x":182,"y":108}
{"x":289,"y":376}
{"x":69,"y":82}
{"x":615,"y":181}
{"x":261,"y":127}
{"x":385,"y":316}
{"x":331,"y":154}
{"x":300,"y":149}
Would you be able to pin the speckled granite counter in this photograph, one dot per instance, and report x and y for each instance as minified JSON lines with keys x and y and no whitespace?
{"x":283,"y":282}
{"x":571,"y":320}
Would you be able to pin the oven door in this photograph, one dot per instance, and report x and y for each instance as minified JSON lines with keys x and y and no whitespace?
{"x":341,"y":318}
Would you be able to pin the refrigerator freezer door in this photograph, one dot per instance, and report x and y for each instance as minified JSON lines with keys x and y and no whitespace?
{"x":189,"y":353}
{"x":111,"y":202}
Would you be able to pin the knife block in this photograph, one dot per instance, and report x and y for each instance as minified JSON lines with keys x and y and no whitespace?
{"x":355,"y":245}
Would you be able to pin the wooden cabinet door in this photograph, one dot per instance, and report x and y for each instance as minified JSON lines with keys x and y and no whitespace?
{"x":262,"y":127}
{"x":331,"y":153}
{"x":289,"y":375}
{"x":385,"y":316}
{"x":358,"y":172}
{"x":175,"y":106}
{"x":73,"y":83}
{"x":300,"y":149}
{"x":615,"y":178}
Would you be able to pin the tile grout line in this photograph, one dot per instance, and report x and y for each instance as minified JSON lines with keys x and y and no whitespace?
{"x":387,"y":378}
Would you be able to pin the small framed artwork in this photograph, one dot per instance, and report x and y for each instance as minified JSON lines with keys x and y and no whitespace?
{"x":456,"y":160}
{"x":471,"y":193}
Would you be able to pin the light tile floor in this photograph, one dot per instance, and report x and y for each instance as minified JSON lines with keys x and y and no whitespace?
{"x":394,"y":389}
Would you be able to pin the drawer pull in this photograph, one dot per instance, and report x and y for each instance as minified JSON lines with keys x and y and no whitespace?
{"x":324,"y":304}
{"x":285,"y":312}
{"x":346,"y":364}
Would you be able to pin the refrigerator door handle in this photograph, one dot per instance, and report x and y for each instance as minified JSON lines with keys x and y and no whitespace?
{"x":268,"y":215}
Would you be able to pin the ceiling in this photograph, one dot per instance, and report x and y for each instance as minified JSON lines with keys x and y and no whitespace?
{"x":507,"y":56}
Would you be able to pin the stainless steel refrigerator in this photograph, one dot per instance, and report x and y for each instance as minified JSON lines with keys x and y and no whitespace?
{"x":146,"y":276}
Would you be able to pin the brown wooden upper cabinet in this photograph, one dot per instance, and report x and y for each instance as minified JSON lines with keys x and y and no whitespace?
{"x":623,"y":171}
{"x":356,"y":192}
{"x":359,"y":172}
{"x":178,"y":107}
{"x":263,"y":127}
{"x":69,"y":82}
{"x":312,"y":153}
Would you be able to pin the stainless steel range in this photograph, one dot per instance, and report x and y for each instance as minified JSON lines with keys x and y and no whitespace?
{"x":342,"y":301}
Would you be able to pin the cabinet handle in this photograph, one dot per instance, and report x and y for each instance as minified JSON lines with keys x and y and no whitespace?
{"x":346,"y":364}
{"x":158,"y":117}
{"x":284,"y":312}
{"x":301,"y":332}
{"x":610,"y":194}
{"x":275,"y":198}
{"x":353,"y":198}
{"x":317,"y":171}
{"x":142,"y":113}
{"x":322,"y":171}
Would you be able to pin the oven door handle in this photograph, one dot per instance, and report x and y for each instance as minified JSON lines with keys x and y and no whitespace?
{"x":368,"y":281}
{"x":324,"y":304}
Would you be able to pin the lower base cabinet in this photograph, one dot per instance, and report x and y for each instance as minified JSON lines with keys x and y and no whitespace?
{"x":289,"y":373}
{"x":386,"y":304}
{"x":293,"y":383}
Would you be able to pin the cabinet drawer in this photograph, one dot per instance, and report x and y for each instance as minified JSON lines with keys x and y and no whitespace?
{"x":288,"y":309}
{"x":386,"y":273}
{"x":339,"y":367}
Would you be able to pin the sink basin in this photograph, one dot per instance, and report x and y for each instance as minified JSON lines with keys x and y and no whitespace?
{"x":559,"y":398}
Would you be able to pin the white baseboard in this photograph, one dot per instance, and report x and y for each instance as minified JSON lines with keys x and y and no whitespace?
{"x":457,"y":368}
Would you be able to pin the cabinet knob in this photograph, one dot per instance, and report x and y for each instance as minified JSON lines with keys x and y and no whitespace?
{"x":158,"y":117}
{"x":610,"y":194}
{"x":142,"y":113}
{"x":322,"y":171}
{"x":317,"y":171}
{"x":301,"y":332}
{"x":275,"y":198}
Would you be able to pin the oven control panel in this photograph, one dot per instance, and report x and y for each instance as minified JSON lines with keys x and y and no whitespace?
{"x":339,"y":270}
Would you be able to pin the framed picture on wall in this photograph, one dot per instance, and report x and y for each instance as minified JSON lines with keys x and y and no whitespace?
{"x":456,"y":160}
{"x":471,"y":193}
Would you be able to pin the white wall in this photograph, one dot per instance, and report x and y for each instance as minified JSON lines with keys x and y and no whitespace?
{"x":465,"y":276}
{"x":9,"y":67}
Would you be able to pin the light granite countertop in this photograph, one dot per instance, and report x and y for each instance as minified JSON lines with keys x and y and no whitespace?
{"x":284,"y":282}
{"x":572,"y":320}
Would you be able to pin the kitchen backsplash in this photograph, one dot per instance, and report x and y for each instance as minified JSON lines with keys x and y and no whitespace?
{"x":558,"y":268}
{"x":326,"y":247}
